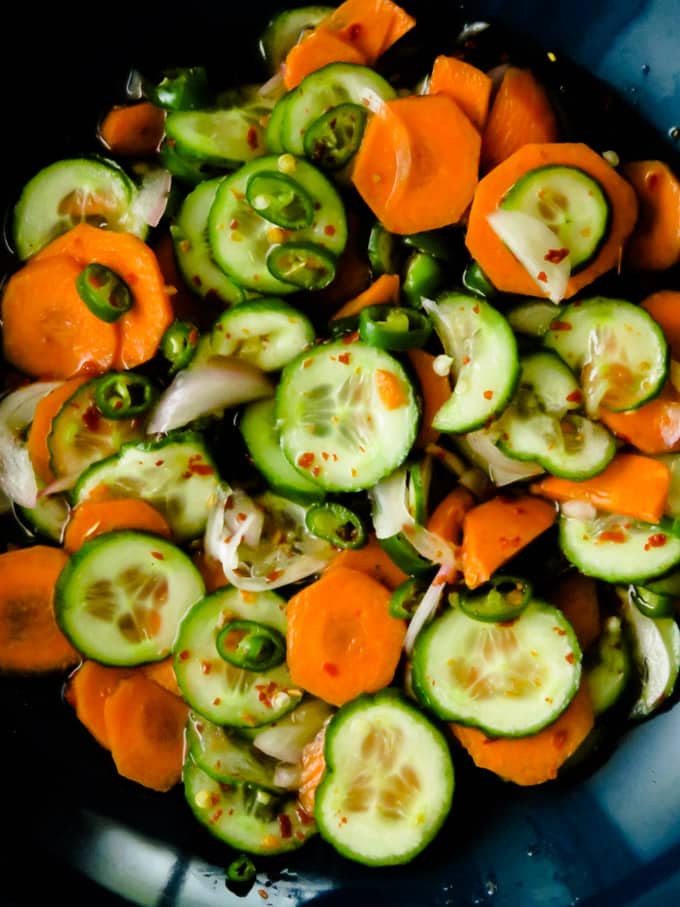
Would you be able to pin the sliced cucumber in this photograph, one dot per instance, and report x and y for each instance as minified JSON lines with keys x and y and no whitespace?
{"x":216,"y":689}
{"x":608,"y":666}
{"x":227,"y":756}
{"x":533,"y":317}
{"x":285,"y":29}
{"x":224,"y":138}
{"x":388,"y":783}
{"x":272,"y":136}
{"x":176,"y":475}
{"x":510,"y":680}
{"x":615,"y":347}
{"x":347,"y":414}
{"x":617,"y":548}
{"x":122,"y":595}
{"x":485,"y":360}
{"x":48,"y":518}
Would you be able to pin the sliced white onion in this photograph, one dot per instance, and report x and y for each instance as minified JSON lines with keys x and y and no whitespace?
{"x":58,"y":486}
{"x":426,"y":609}
{"x":287,"y":776}
{"x":503,"y":470}
{"x":531,"y":241}
{"x":285,"y":739}
{"x":225,"y":531}
{"x":208,"y":388}
{"x":273,"y":87}
{"x":579,"y":510}
{"x":151,"y":199}
{"x":17,"y":479}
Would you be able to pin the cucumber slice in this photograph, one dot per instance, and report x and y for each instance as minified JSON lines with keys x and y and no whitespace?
{"x":244,"y":816}
{"x":221,"y":692}
{"x":617,"y":548}
{"x":176,"y":475}
{"x":571,"y":203}
{"x":227,"y":756}
{"x":122,"y":595}
{"x":541,"y":424}
{"x":388,"y":783}
{"x":224,"y":138}
{"x":615,"y":347}
{"x":347,"y":414}
{"x":272,"y":135}
{"x":533,"y":317}
{"x":510,"y":680}
{"x":285,"y":29}
{"x":608,"y":666}
{"x":48,"y":518}
{"x":241,"y":239}
{"x":194,"y":258}
{"x":485,"y":360}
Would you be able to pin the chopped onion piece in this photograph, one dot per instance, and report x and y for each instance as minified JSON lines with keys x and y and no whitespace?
{"x":531,"y":241}
{"x":217,"y":384}
{"x":151,"y":199}
{"x":228,"y":525}
{"x":287,"y":776}
{"x":426,"y":609}
{"x":503,"y":470}
{"x":579,"y":510}
{"x":285,"y":739}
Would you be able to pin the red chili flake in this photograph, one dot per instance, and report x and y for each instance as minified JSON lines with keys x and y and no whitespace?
{"x":652,"y":180}
{"x":217,"y":815}
{"x":241,"y":517}
{"x":331,"y":669}
{"x":354,"y":31}
{"x":559,"y":739}
{"x":555,"y":256}
{"x":575,"y":396}
{"x":200,"y":469}
{"x":273,"y":575}
{"x":184,"y":654}
{"x":329,"y":230}
{"x":475,"y":308}
{"x":466,"y":360}
{"x":263,"y":894}
{"x":285,"y":826}
{"x":252,"y":138}
{"x":559,"y":631}
{"x":658,"y":540}
{"x":613,"y":535}
{"x":542,"y":276}
{"x":570,"y":658}
{"x":350,"y":338}
{"x":305,"y":460}
{"x":234,"y":224}
{"x":158,"y":555}
{"x":345,"y":358}
{"x":513,"y":542}
{"x":206,"y":667}
{"x":159,"y":462}
{"x":507,"y":623}
{"x":303,"y":815}
{"x":560,"y":326}
{"x":325,"y":455}
{"x":92,"y":418}
{"x":488,"y":395}
{"x":316,"y":471}
{"x":216,"y":700}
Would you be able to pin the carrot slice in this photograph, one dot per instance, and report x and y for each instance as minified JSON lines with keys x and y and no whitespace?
{"x":211,"y":571}
{"x":576,"y":596}
{"x":312,"y":769}
{"x":499,"y":264}
{"x":383,"y":290}
{"x":520,"y":114}
{"x":87,"y":690}
{"x":370,"y":25}
{"x":631,"y":485}
{"x":372,"y":560}
{"x":163,"y":673}
{"x":435,"y":391}
{"x":30,"y":638}
{"x":446,"y":520}
{"x":653,"y":428}
{"x":465,"y":84}
{"x":145,"y":728}
{"x":497,"y":529}
{"x":41,"y":426}
{"x":341,"y":640}
{"x":655,"y":242}
{"x":133,"y":130}
{"x":408,"y":152}
{"x":664,"y":307}
{"x":318,"y":49}
{"x":532,"y":760}
{"x":140,"y":330}
{"x":93,"y":517}
{"x":48,"y":331}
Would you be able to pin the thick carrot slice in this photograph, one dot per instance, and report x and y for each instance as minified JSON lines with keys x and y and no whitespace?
{"x":520,"y":114}
{"x":654,"y":428}
{"x":92,"y":517}
{"x":30,"y":639}
{"x":655,"y":242}
{"x":404,"y":164}
{"x":465,"y":84}
{"x":140,"y":330}
{"x":664,"y":307}
{"x":372,"y":560}
{"x":48,"y":331}
{"x":41,"y":426}
{"x":435,"y":391}
{"x":341,"y":640}
{"x":532,"y":760}
{"x":576,"y":596}
{"x":497,"y":529}
{"x":318,"y":49}
{"x":87,"y":690}
{"x":163,"y":673}
{"x":145,"y":728}
{"x":133,"y":130}
{"x":499,"y":264}
{"x":383,"y":290}
{"x":313,"y":767}
{"x":211,"y":571}
{"x":446,"y":520}
{"x":631,"y":485}
{"x":370,"y":25}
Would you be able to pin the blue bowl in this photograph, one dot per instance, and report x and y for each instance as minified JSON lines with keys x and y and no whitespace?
{"x":607,"y":833}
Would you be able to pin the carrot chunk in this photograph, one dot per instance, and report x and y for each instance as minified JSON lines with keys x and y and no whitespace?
{"x":435,"y":390}
{"x":465,"y":84}
{"x":654,"y":244}
{"x":133,"y":130}
{"x":87,"y":690}
{"x":653,"y":428}
{"x":93,"y":517}
{"x":372,"y":560}
{"x":664,"y":307}
{"x":45,"y":411}
{"x":384,"y":289}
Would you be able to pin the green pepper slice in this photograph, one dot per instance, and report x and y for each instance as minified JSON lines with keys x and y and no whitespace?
{"x":652,"y":604}
{"x":406,"y":598}
{"x":334,"y":138}
{"x":252,"y":646}
{"x":336,"y":524}
{"x":424,"y":276}
{"x":241,"y":871}
{"x":280,"y":199}
{"x":304,"y":265}
{"x":179,"y":344}
{"x":124,"y":395}
{"x":181,"y":88}
{"x":390,"y":327}
{"x":502,"y":598}
{"x":104,"y":292}
{"x":476,"y":281}
{"x":383,"y":251}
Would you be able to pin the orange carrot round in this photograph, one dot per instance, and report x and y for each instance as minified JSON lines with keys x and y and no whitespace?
{"x":446,"y":520}
{"x":163,"y":673}
{"x":664,"y":307}
{"x":465,"y":84}
{"x":435,"y":390}
{"x":383,"y":290}
{"x":653,"y":428}
{"x":654,"y":244}
{"x":30,"y":639}
{"x":341,"y":639}
{"x":370,"y":25}
{"x":318,"y":49}
{"x":93,"y":517}
{"x":372,"y":560}
{"x":87,"y":690}
{"x":45,"y":411}
{"x":133,"y":130}
{"x":576,"y":596}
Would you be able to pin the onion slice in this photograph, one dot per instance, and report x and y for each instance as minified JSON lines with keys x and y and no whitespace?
{"x":426,"y":609}
{"x":205,"y":389}
{"x":503,"y":470}
{"x":151,"y":199}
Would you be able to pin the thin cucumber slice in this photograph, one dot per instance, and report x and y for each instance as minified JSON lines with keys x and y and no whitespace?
{"x":571,"y":203}
{"x":618,"y":549}
{"x":175,"y":475}
{"x":216,"y":689}
{"x":227,"y":756}
{"x":285,"y":29}
{"x":272,"y":135}
{"x":541,"y":425}
{"x":388,"y":784}
{"x":194,"y":258}
{"x":615,"y":347}
{"x":533,"y":317}
{"x":485,"y":360}
{"x":122,"y":595}
{"x":608,"y":666}
{"x":224,"y":138}
{"x":347,"y":414}
{"x":244,"y":816}
{"x":510,"y":680}
{"x":48,"y":518}
{"x":66,"y":193}
{"x":241,"y":239}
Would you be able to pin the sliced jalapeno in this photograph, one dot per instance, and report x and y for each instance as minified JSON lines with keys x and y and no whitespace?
{"x":392,"y":327}
{"x":252,"y":646}
{"x":180,"y":89}
{"x":179,"y":343}
{"x":336,"y":524}
{"x":280,"y":199}
{"x":406,"y":598}
{"x":502,"y":598}
{"x":476,"y":281}
{"x":383,"y":251}
{"x":338,"y":327}
{"x":652,"y":604}
{"x":241,"y":871}
{"x":424,"y":276}
{"x":305,"y":265}
{"x":124,"y":395}
{"x":104,"y":292}
{"x":334,"y":138}
{"x":432,"y":242}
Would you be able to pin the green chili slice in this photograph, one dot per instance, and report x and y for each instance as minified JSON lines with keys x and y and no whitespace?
{"x":241,"y":871}
{"x":406,"y":598}
{"x":383,"y":251}
{"x":124,"y":395}
{"x":652,"y":604}
{"x":392,"y":327}
{"x":104,"y":292}
{"x":182,"y":88}
{"x":334,"y":138}
{"x":252,"y":646}
{"x":502,"y":598}
{"x":179,"y":343}
{"x":424,"y":276}
{"x":336,"y":524}
{"x":304,"y":265}
{"x":476,"y":281}
{"x":436,"y":243}
{"x":280,"y":199}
